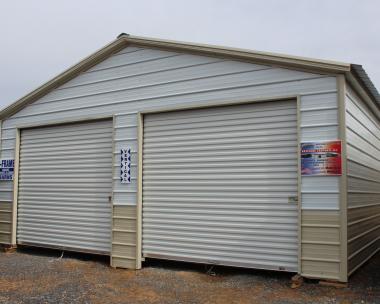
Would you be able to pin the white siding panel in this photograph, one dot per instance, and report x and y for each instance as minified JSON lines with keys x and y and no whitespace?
{"x":125,"y":132}
{"x":126,"y":119}
{"x":223,"y":82}
{"x":319,"y":121}
{"x":8,"y":153}
{"x":194,"y":98}
{"x":320,"y":192}
{"x":319,"y":117}
{"x":8,"y":133}
{"x":160,"y":64}
{"x":320,"y":201}
{"x":319,"y":101}
{"x":317,"y":133}
{"x":126,"y":142}
{"x":313,"y":184}
{"x":125,"y":197}
{"x":121,"y":58}
{"x":8,"y":143}
{"x":201,"y":71}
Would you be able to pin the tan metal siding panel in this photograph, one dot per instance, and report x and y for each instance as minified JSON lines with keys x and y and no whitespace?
{"x":121,"y":262}
{"x":321,"y":270}
{"x":320,"y":244}
{"x":320,"y":217}
{"x":210,"y":191}
{"x":320,"y":234}
{"x":5,"y":222}
{"x":316,"y":251}
{"x":124,"y":237}
{"x":363,"y":152}
{"x":64,"y":185}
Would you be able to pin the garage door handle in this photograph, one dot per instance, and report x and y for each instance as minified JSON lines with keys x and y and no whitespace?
{"x":110,"y":199}
{"x":293,"y":199}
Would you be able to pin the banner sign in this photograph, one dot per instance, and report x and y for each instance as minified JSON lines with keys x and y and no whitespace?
{"x":125,"y":166}
{"x":321,"y":158}
{"x":7,"y":169}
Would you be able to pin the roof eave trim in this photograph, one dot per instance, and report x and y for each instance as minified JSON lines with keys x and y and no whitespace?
{"x":359,"y":72}
{"x":361,"y":90}
{"x":263,"y":57}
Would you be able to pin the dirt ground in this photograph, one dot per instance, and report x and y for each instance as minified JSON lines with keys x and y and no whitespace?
{"x":35,"y":276}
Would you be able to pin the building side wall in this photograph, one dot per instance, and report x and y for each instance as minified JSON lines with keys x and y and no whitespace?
{"x":363,"y":181}
{"x":137,"y":79}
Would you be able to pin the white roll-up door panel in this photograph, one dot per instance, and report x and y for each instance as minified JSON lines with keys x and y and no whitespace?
{"x":217,"y":183}
{"x":65,"y":181}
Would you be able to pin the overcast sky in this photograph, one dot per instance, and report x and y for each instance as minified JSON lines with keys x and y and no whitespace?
{"x":41,"y":38}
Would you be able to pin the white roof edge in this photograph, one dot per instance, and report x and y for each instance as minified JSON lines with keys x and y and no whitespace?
{"x":148,"y":40}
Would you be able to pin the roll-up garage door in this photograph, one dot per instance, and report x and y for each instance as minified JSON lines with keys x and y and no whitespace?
{"x":65,"y":181}
{"x":219,"y":185}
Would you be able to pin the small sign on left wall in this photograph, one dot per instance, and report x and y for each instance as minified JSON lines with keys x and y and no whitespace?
{"x":7,"y":169}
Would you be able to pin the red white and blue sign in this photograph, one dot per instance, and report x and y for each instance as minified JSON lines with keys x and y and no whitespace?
{"x":125,"y":166}
{"x":7,"y":169}
{"x":322,"y":158}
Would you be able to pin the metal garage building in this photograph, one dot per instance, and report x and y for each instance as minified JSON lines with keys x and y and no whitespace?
{"x":160,"y":149}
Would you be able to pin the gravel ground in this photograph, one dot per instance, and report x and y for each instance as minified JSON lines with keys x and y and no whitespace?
{"x":33,"y":276}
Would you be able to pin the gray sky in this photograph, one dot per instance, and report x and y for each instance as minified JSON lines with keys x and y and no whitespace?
{"x":41,"y":38}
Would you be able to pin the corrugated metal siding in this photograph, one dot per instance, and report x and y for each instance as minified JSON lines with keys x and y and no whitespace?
{"x":363,"y":153}
{"x":65,"y":181}
{"x":216,"y":184}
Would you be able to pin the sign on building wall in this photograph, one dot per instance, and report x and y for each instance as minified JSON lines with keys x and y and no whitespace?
{"x":321,"y":158}
{"x":7,"y":169}
{"x":125,"y":166}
